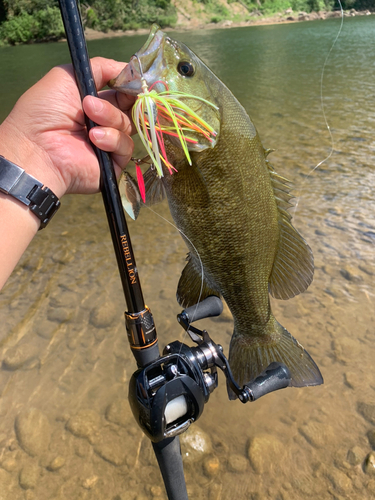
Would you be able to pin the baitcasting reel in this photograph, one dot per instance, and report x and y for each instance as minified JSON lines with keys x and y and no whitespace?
{"x":169,"y":394}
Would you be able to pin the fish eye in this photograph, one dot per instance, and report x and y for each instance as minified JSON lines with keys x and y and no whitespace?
{"x":185,"y":68}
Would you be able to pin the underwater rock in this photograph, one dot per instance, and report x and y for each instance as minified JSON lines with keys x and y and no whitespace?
{"x":29,"y":476}
{"x":103,"y":316}
{"x":9,"y":464}
{"x":346,"y":349}
{"x":195,"y":443}
{"x":317,"y":434}
{"x":85,"y":424}
{"x":340,"y":481}
{"x":369,"y":465}
{"x":19,"y":356}
{"x":33,"y":431}
{"x":365,"y":268}
{"x":367,"y":411}
{"x":64,"y":297}
{"x":351,"y":274}
{"x":59,"y":314}
{"x":156,"y":491}
{"x":335,"y":291}
{"x":264,"y":452}
{"x":63,"y":256}
{"x":211,"y":466}
{"x":118,"y":412}
{"x":45,"y":329}
{"x":353,"y":380}
{"x":355,"y":455}
{"x":110,"y":448}
{"x":237,"y":463}
{"x":90,"y":482}
{"x":56,"y":464}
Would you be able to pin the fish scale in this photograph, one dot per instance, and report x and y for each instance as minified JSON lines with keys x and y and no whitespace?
{"x":232,"y":207}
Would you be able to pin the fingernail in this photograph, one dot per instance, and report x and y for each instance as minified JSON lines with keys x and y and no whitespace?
{"x":97,"y":104}
{"x":98,"y":133}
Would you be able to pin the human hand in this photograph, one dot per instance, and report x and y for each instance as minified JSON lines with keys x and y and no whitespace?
{"x":45,"y":133}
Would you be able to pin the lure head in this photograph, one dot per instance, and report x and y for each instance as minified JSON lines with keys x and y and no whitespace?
{"x":168,"y":65}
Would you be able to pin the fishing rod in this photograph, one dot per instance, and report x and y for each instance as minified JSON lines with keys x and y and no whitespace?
{"x":167,"y":393}
{"x":139,"y":321}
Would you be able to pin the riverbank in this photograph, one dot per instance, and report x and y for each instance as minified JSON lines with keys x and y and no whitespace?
{"x":188,"y":22}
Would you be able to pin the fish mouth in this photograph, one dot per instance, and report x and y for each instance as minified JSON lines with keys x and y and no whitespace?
{"x":129,"y":80}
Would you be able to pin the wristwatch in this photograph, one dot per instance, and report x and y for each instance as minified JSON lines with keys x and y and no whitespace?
{"x":15,"y":182}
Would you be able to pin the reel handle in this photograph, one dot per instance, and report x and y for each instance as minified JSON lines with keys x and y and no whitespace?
{"x":276,"y":376}
{"x":209,"y":307}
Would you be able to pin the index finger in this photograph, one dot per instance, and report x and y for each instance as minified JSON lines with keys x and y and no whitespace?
{"x":104,"y":70}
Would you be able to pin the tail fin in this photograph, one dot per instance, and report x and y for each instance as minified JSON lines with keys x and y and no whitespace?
{"x":249,"y":355}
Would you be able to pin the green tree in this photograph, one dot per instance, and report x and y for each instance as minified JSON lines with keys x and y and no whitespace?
{"x":3,"y":11}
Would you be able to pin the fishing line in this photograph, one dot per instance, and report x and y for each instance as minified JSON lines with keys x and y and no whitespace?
{"x":322,"y":106}
{"x":197,"y":253}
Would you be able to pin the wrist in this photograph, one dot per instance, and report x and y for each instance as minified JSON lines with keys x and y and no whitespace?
{"x":16,"y":147}
{"x":23,"y":187}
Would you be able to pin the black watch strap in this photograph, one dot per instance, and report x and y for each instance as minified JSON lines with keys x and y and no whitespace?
{"x":15,"y":182}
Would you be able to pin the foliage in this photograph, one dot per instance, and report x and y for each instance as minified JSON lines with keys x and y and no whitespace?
{"x":3,"y":11}
{"x":274,"y":6}
{"x":129,"y":14}
{"x":45,"y":24}
{"x":23,"y":21}
{"x":358,"y":4}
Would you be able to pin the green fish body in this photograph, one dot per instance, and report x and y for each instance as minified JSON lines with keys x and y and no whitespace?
{"x":232,"y":208}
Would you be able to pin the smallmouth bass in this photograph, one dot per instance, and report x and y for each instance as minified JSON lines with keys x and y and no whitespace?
{"x":233,"y":207}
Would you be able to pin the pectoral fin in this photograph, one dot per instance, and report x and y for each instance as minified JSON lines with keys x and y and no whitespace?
{"x":192,"y":287}
{"x":130,"y":196}
{"x":155,"y":191}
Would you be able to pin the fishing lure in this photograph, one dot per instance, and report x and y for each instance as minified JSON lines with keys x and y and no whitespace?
{"x":156,"y":114}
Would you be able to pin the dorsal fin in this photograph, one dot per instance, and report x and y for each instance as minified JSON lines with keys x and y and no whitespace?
{"x":293,"y":268}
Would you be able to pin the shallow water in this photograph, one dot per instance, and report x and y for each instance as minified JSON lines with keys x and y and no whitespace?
{"x":66,"y":430}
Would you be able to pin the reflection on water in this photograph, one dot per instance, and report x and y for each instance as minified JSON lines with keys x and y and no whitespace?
{"x":66,"y":430}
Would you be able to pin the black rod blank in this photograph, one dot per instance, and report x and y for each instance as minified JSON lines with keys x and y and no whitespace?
{"x":168,"y":455}
{"x":108,"y":184}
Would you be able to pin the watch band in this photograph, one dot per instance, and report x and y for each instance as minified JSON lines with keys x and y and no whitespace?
{"x":15,"y":182}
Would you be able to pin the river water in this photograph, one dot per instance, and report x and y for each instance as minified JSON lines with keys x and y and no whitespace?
{"x":66,"y":431}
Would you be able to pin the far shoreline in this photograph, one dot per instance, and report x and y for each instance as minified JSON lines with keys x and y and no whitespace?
{"x":286,"y":18}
